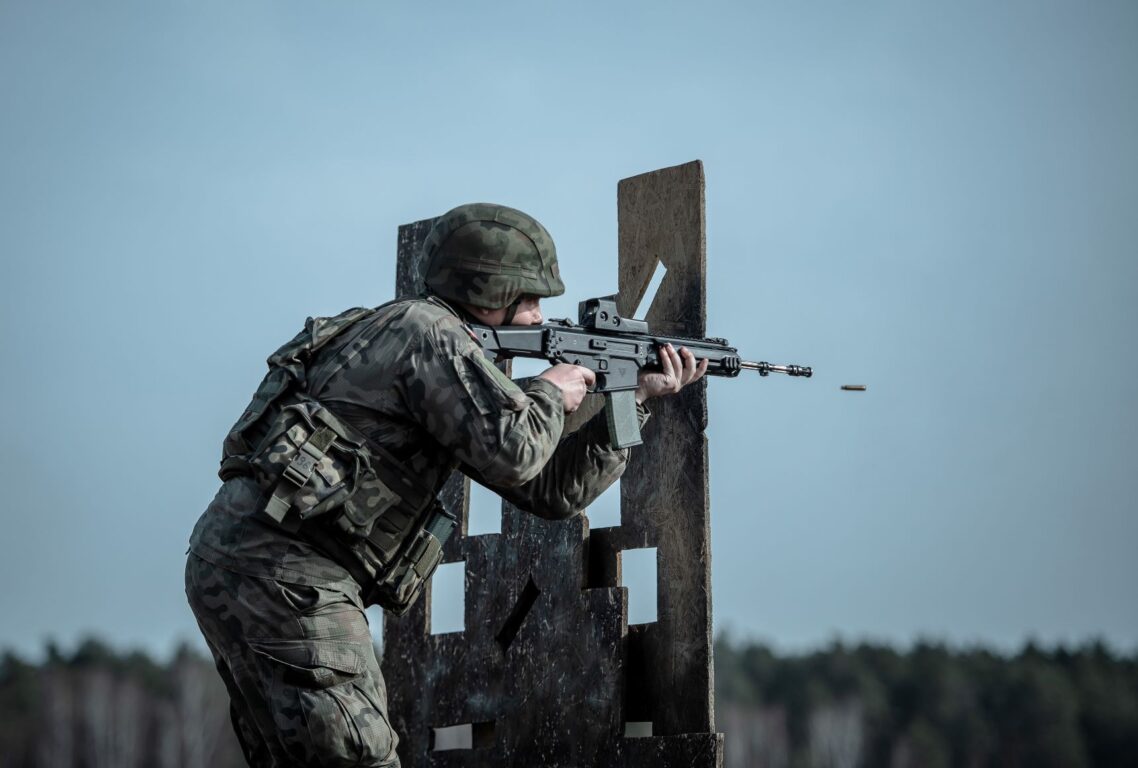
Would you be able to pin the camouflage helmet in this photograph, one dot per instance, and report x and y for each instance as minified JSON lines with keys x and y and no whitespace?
{"x":489,"y":256}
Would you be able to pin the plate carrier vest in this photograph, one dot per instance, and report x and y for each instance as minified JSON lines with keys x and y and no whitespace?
{"x":325,"y":482}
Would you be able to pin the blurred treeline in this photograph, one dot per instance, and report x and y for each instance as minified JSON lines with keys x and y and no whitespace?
{"x":96,"y":708}
{"x":865,"y":705}
{"x":870,"y":705}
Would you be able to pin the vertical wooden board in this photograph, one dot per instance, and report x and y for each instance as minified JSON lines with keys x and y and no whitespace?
{"x":410,"y":252}
{"x":661,"y":219}
{"x":403,"y":673}
{"x":664,"y":490}
{"x":553,"y":691}
{"x":564,"y":666}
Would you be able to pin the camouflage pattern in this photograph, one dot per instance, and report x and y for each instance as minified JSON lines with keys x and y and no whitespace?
{"x":415,"y":384}
{"x":412,"y":382}
{"x":287,"y":371}
{"x":313,"y":464}
{"x":488,"y":256}
{"x":304,"y":683}
{"x":233,"y":534}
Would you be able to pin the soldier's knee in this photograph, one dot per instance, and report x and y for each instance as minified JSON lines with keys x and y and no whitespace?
{"x":327,"y":711}
{"x":341,"y":727}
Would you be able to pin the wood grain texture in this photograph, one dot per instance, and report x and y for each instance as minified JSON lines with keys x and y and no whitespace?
{"x":547,"y":655}
{"x":664,"y":499}
{"x":409,"y":260}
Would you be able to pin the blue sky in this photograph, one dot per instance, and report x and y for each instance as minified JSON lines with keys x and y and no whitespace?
{"x":935,"y":200}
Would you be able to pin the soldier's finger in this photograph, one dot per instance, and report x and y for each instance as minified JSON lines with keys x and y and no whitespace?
{"x":588,"y":375}
{"x":701,"y":370}
{"x":678,"y":368}
{"x":667,"y":355}
{"x":689,"y":363}
{"x":676,"y":379}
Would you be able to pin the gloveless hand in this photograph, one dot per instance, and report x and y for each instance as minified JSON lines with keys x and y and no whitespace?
{"x":574,"y":382}
{"x":677,"y":370}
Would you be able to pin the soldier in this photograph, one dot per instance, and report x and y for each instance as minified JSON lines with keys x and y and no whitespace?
{"x":329,"y":480}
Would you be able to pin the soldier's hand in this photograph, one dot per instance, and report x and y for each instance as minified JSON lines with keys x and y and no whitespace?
{"x":573,"y":381}
{"x":677,"y":370}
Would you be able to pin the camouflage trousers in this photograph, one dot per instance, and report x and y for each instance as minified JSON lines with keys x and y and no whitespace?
{"x":304,"y":685}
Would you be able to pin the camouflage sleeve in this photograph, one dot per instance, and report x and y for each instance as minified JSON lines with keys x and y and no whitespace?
{"x":584,"y":465}
{"x":504,"y":433}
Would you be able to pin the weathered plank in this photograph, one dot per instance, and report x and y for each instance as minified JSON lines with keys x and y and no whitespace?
{"x":664,"y":499}
{"x":410,"y":252}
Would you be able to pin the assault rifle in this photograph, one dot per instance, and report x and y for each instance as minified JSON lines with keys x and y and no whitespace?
{"x":615,"y":348}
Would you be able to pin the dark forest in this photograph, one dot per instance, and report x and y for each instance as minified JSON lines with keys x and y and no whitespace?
{"x":845,"y":705}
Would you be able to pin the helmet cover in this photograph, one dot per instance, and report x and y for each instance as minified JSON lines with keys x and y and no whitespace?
{"x":489,"y":256}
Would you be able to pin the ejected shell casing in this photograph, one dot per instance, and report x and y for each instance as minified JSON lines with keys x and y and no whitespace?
{"x":853,"y":387}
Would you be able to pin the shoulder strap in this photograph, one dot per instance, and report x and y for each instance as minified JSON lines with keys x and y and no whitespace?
{"x":287,"y":373}
{"x":339,"y":359}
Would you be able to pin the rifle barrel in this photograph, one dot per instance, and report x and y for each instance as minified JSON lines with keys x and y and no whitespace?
{"x":765,"y":368}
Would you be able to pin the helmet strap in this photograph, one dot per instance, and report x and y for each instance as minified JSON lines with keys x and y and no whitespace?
{"x":511,"y":311}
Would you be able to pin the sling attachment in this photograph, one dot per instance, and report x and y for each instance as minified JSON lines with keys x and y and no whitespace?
{"x":296,"y":475}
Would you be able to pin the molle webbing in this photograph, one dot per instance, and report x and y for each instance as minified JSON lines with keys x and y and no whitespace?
{"x":329,"y":432}
{"x":395,"y":582}
{"x":287,"y":373}
{"x":297,"y":473}
{"x":325,"y":481}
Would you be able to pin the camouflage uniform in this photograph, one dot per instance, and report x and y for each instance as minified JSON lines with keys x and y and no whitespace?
{"x":283,"y":619}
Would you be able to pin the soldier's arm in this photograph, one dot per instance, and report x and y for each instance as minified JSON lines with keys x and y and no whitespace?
{"x":501,"y":432}
{"x":584,"y":465}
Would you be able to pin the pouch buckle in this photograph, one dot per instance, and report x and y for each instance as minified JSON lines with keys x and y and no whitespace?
{"x":300,"y":468}
{"x":297,"y":472}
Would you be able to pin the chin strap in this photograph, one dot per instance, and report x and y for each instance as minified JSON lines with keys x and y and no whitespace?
{"x":511,"y":311}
